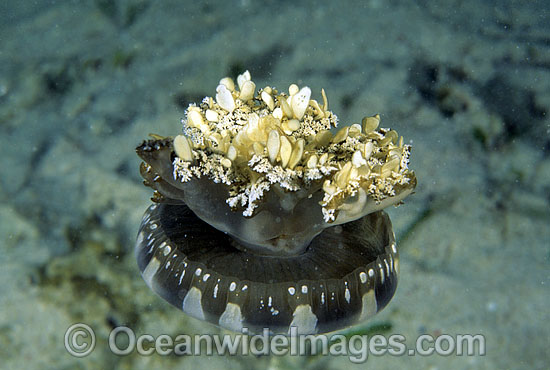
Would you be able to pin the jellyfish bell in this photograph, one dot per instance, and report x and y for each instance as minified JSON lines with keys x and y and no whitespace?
{"x":265,"y":219}
{"x":346,"y":275}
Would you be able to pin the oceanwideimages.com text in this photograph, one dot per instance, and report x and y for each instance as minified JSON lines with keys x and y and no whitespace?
{"x":80,"y":341}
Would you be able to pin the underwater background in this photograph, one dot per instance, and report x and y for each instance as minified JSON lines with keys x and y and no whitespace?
{"x":467,"y":83}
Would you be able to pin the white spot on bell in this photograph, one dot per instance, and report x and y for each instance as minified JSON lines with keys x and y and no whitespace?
{"x":150,"y":271}
{"x":216,"y":291}
{"x":232,"y":318}
{"x":369,"y":306}
{"x":181,"y":277}
{"x":304,"y":320}
{"x":140,"y":238}
{"x":192,"y":303}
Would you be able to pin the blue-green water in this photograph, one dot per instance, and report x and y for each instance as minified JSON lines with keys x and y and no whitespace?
{"x":466,"y":83}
